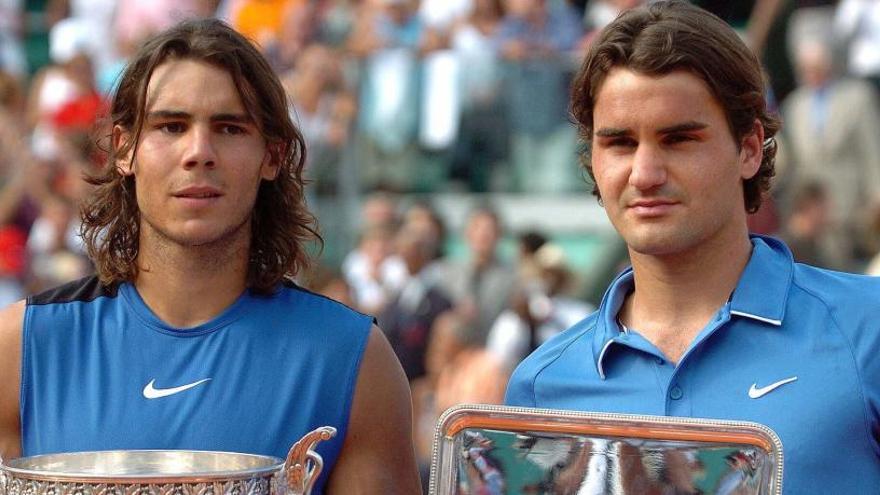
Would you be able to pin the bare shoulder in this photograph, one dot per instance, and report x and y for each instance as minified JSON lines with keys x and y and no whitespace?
{"x":378,"y":454}
{"x":11,"y":319}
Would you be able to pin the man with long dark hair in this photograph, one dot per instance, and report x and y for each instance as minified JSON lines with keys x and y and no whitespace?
{"x":710,"y":321}
{"x":191,"y":334}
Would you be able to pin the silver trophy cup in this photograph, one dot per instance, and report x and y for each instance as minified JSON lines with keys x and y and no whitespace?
{"x":167,"y":472}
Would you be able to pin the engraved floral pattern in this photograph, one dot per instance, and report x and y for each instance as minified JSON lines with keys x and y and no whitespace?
{"x":254,"y":486}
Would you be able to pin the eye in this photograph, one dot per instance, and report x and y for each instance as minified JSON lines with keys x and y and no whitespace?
{"x":232,"y":129}
{"x":679,"y":138}
{"x":171,"y":127}
{"x":621,"y":142}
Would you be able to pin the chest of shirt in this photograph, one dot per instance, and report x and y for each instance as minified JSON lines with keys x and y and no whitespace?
{"x":807,"y":390}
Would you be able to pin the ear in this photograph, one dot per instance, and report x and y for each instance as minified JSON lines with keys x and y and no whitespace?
{"x":752,"y":151}
{"x":270,"y":165}
{"x":124,"y":163}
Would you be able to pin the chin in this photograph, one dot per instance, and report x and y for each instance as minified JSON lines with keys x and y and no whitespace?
{"x":659,"y":243}
{"x":201,"y":235}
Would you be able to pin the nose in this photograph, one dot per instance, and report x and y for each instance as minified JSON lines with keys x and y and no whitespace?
{"x":648,"y":168}
{"x":199,"y":148}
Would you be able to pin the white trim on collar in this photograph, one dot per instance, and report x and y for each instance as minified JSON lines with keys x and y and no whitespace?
{"x":602,"y":355}
{"x":756,"y":317}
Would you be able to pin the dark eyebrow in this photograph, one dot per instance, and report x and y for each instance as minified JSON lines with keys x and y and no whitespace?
{"x":612,"y":132}
{"x":231,"y":117}
{"x":220,"y":117}
{"x":684,"y":127}
{"x":168,"y":114}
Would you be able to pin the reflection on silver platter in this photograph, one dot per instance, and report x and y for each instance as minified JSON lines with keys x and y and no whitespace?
{"x":497,"y":450}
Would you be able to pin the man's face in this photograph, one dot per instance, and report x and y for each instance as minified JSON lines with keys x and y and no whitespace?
{"x":667,"y":166}
{"x":482,"y":234}
{"x":200,"y":159}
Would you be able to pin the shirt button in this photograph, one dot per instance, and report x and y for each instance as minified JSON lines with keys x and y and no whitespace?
{"x":675,"y":393}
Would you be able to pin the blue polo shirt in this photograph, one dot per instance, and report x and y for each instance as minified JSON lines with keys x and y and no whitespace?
{"x":796,"y":348}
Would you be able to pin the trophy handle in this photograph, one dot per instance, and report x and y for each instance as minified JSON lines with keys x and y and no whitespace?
{"x":301,"y":477}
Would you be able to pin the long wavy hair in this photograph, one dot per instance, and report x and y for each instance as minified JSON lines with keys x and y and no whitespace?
{"x":666,"y":36}
{"x":281,"y":223}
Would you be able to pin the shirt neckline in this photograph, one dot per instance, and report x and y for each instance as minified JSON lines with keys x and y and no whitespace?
{"x":150,"y":319}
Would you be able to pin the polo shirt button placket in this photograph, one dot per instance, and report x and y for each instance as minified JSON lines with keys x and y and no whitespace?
{"x":675,"y":392}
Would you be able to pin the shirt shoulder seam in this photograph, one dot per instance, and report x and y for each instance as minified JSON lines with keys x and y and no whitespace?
{"x":291,"y":285}
{"x":849,"y":345}
{"x":558,"y":355}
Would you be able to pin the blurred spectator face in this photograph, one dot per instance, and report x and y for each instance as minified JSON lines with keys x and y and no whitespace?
{"x":379,"y":209}
{"x":11,"y":99}
{"x":79,"y":69}
{"x":317,"y":62}
{"x":818,"y":214}
{"x":423,"y":218}
{"x":399,"y":10}
{"x":811,"y":210}
{"x":482,"y":234}
{"x":488,"y":8}
{"x":525,"y":8}
{"x":298,"y":27}
{"x":517,"y":8}
{"x":419,"y":216}
{"x":415,"y":248}
{"x":554,"y":268}
{"x":813,"y":64}
{"x":444,"y":345}
{"x":376,"y":244}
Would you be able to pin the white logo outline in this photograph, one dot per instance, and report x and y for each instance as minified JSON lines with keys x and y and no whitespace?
{"x":150,"y":392}
{"x":757,"y":393}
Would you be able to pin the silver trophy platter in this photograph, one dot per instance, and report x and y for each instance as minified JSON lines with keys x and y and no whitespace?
{"x":498,"y":450}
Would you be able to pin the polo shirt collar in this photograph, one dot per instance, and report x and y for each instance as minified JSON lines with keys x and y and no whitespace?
{"x":607,"y":327}
{"x":761,"y":293}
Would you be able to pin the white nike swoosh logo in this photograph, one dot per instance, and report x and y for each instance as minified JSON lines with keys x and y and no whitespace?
{"x":151,"y":392}
{"x":755,"y":392}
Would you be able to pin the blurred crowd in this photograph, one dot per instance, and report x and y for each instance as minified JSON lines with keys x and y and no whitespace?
{"x":459,"y":325}
{"x":398,"y":98}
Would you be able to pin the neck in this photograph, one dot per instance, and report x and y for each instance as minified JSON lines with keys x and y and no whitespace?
{"x":483,"y":260}
{"x":186,"y":286}
{"x":676,"y":296}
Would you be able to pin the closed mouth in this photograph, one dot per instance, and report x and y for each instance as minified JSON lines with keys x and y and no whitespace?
{"x":651,"y":204}
{"x":197,"y":193}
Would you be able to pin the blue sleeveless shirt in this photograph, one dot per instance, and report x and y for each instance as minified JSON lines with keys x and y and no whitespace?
{"x":100,"y":371}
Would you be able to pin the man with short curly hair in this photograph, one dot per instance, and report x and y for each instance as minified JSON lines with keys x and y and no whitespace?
{"x":709,"y":321}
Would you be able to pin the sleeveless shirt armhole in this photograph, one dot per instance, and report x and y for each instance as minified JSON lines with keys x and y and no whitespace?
{"x":24,"y":371}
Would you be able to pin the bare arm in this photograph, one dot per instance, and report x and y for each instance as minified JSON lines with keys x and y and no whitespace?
{"x":378,"y":454}
{"x":10,"y":369}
